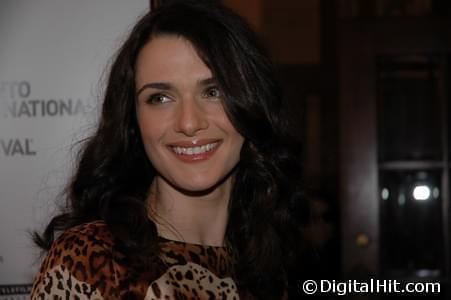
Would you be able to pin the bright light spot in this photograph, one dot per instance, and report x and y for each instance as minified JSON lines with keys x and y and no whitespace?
{"x":385,"y":194}
{"x":421,"y":192}
{"x":435,"y":192}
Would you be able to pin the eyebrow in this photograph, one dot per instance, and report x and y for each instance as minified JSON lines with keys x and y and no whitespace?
{"x":167,"y":86}
{"x":208,"y":81}
{"x":155,"y":85}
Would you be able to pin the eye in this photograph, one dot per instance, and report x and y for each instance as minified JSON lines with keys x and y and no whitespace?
{"x":158,"y":99}
{"x":213,"y":92}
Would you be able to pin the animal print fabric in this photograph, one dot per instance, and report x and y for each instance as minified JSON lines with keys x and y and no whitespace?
{"x":83,"y":265}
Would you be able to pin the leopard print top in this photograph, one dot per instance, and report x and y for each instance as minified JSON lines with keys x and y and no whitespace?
{"x":82,"y":265}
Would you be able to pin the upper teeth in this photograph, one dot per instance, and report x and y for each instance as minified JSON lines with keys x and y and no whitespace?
{"x":194,"y":150}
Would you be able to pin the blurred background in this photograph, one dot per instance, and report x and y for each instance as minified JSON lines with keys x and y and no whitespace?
{"x":367,"y":85}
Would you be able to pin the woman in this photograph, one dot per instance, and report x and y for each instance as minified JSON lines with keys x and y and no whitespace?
{"x":189,"y":186}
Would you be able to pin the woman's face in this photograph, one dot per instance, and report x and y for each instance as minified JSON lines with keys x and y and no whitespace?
{"x":186,"y":133}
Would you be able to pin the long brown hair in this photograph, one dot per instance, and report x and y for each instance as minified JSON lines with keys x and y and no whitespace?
{"x":113,"y":172}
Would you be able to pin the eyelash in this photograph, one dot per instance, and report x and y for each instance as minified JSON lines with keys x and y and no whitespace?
{"x":213,"y":88}
{"x":157,"y":98}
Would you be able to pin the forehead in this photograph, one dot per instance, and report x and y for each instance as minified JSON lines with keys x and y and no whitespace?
{"x":169,"y":57}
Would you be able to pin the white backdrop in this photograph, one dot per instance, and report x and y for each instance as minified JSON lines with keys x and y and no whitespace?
{"x":52,"y":56}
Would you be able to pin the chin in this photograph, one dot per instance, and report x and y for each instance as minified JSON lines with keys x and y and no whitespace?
{"x":201,"y":185}
{"x":198,"y":187}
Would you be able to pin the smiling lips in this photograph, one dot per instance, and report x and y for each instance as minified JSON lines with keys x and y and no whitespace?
{"x":194,"y":151}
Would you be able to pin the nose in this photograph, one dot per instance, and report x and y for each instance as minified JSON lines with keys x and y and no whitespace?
{"x":190,"y":117}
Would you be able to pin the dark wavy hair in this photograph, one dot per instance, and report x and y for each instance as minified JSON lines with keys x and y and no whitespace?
{"x":113,"y":175}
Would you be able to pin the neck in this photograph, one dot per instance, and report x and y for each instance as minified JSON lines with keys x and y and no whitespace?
{"x":198,"y":218}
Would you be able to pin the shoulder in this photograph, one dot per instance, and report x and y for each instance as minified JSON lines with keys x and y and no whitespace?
{"x":80,"y":262}
{"x":93,"y":235}
{"x":81,"y":245}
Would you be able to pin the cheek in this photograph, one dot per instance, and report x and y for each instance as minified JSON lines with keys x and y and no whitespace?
{"x":152,"y":130}
{"x":236,"y":139}
{"x":238,"y":145}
